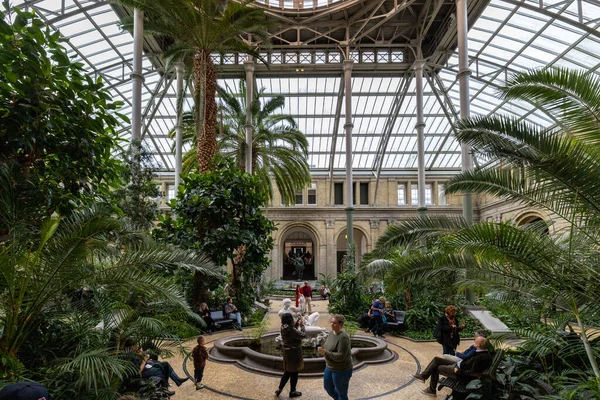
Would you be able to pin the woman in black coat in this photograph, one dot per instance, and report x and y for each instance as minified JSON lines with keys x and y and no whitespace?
{"x":293,"y":362}
{"x":450,"y":330}
{"x":205,"y":314}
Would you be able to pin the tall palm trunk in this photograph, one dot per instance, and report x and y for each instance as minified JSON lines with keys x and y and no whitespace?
{"x":205,"y":81}
{"x":254,"y":157}
{"x":205,"y":117}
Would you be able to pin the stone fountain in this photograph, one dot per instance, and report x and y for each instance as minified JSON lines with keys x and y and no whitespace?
{"x":265,"y":357}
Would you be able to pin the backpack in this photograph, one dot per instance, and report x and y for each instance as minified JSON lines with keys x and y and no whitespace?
{"x":437,"y":333}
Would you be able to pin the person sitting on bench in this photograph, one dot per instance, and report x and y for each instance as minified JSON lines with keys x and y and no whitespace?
{"x":149,"y":368}
{"x":479,"y":362}
{"x":470,"y":352}
{"x":231,"y":312}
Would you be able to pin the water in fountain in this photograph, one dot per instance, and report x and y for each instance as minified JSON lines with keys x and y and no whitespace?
{"x":269,"y":346}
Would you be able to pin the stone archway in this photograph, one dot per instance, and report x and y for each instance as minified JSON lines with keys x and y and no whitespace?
{"x":360,"y":243}
{"x":532,"y":218}
{"x":299,"y":242}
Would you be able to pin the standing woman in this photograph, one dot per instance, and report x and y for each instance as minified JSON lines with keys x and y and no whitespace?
{"x":292,"y":353}
{"x":450,"y":330}
{"x":338,"y":358}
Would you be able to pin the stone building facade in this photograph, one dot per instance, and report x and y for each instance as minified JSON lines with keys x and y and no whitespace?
{"x":316,"y":224}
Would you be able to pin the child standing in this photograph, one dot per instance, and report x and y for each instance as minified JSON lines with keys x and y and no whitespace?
{"x":200,"y":355}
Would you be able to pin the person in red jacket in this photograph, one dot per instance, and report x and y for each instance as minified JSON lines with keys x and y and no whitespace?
{"x":200,"y":355}
{"x":307,"y":292}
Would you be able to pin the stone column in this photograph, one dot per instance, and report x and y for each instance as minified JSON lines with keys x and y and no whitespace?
{"x":331,"y":247}
{"x":276,"y":270}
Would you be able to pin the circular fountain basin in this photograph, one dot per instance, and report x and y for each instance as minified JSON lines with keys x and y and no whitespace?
{"x":267,"y":358}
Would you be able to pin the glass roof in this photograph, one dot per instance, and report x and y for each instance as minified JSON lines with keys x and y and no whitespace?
{"x":510,"y":35}
{"x":297,"y":4}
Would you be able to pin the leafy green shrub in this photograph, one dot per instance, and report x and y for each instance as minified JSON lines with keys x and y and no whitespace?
{"x":258,"y":330}
{"x":220,"y":213}
{"x":348,"y":297}
{"x":423,"y":315}
{"x":256,"y":317}
{"x":324,"y":279}
{"x":351,"y":327}
{"x":471,"y":325}
{"x":58,"y":124}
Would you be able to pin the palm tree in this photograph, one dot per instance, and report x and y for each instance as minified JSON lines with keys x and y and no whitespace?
{"x":279,"y":149}
{"x":89,"y":249}
{"x":556,"y":169}
{"x":197,"y":29}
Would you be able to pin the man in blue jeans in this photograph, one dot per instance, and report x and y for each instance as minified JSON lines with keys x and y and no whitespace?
{"x":377,"y":320}
{"x":231,"y":312}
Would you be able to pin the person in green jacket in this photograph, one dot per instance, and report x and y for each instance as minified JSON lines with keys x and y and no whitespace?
{"x":338,"y":360}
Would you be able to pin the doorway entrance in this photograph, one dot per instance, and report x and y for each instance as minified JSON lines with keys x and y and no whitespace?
{"x":298,"y":256}
{"x":360,"y":244}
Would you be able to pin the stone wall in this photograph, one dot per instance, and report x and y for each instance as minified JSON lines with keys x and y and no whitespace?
{"x":325,"y":222}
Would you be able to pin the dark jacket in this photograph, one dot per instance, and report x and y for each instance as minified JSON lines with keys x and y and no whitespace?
{"x":467,"y":354}
{"x":450,"y":336}
{"x":476,"y":364}
{"x":292,"y":348}
{"x":200,"y":355}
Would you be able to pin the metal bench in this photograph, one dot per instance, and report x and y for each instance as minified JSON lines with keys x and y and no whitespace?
{"x":459,"y":385}
{"x":398,"y":323}
{"x":220,"y":319}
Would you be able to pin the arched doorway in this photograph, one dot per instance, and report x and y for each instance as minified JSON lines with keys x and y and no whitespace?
{"x":299,"y":246}
{"x":360,"y":243}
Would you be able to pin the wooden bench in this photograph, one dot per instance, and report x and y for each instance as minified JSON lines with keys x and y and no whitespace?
{"x":398,"y":323}
{"x":459,"y":385}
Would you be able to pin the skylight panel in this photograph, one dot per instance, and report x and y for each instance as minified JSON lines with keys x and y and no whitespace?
{"x":591,"y":12}
{"x":562,"y":32}
{"x":583,"y":58}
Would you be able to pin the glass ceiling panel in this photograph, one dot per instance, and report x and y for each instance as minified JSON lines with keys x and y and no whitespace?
{"x":506,"y":39}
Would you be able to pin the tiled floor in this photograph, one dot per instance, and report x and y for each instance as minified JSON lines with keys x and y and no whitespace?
{"x":388,"y":381}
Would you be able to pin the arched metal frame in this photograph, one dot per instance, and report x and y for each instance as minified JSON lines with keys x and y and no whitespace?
{"x":509,"y":36}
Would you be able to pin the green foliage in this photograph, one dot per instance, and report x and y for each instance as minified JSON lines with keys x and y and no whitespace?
{"x":279,"y":149}
{"x":351,"y":258}
{"x":266,"y":287}
{"x":422,"y":324}
{"x":259,"y":328}
{"x":137,"y":195}
{"x":423,"y":316}
{"x":326,"y":279}
{"x":349,"y":297}
{"x":219,"y":212}
{"x":351,"y":327}
{"x":217,"y":297}
{"x":517,"y":312}
{"x":556,"y":169}
{"x":57,"y":127}
{"x":70,"y":298}
{"x":256,"y":317}
{"x":195,"y":30}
